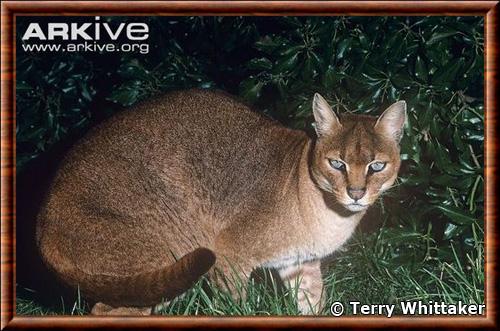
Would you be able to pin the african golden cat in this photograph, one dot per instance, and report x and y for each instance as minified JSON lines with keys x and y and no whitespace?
{"x":194,"y":182}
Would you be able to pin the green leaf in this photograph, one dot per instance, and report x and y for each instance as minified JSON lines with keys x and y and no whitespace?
{"x":452,"y":230}
{"x":134,"y":70}
{"x":22,"y":86}
{"x":421,"y":70}
{"x":448,"y":73}
{"x":260,"y":64}
{"x":250,"y":89}
{"x":457,"y":215}
{"x":268,"y":44}
{"x":331,"y":78}
{"x":440,"y":36}
{"x":291,"y":50}
{"x":288,"y":63}
{"x":124,"y":96}
{"x":342,"y":47}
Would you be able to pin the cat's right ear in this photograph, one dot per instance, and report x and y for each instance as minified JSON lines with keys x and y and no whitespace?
{"x":326,"y":119}
{"x":392,"y":120}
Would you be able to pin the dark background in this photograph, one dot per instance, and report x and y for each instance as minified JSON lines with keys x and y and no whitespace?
{"x":359,"y":64}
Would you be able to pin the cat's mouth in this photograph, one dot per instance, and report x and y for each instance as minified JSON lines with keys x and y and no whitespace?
{"x":355,"y":206}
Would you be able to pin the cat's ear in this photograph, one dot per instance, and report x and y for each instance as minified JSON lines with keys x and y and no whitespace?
{"x":392,"y":120}
{"x":324,"y":116}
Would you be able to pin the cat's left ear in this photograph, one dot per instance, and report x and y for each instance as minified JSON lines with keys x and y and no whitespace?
{"x":392,"y":120}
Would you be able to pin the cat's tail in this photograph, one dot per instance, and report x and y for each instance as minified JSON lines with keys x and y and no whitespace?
{"x":165,"y":283}
{"x":147,"y":288}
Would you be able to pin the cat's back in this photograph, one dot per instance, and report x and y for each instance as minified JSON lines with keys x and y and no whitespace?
{"x":194,"y":112}
{"x":201,"y":116}
{"x":194,"y":138}
{"x":180,"y":123}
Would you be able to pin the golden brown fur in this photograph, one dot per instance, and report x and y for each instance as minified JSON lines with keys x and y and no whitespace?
{"x":194,"y":181}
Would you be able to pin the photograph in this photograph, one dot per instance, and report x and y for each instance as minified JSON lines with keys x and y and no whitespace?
{"x":324,"y":166}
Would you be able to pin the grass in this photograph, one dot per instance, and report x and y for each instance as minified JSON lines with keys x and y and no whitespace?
{"x":364,"y":271}
{"x":27,"y":305}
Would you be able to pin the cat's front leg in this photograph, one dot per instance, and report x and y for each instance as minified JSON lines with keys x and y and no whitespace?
{"x":306,"y":278}
{"x":232,"y":268}
{"x":229,"y":276}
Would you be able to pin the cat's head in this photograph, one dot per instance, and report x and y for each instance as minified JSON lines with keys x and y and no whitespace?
{"x":356,"y":157}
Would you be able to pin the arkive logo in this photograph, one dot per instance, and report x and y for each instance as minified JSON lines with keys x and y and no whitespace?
{"x":86,"y":31}
{"x":96,"y":36}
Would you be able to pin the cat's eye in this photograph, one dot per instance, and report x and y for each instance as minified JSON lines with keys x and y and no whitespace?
{"x":336,"y":164}
{"x":377,"y":166}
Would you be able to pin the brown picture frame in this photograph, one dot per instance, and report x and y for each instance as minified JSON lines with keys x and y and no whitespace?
{"x":9,"y":11}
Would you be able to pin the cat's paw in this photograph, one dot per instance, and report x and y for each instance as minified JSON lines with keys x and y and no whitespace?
{"x":102,"y":309}
{"x":309,"y":304}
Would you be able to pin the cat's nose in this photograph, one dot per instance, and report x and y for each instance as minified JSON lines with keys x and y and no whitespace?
{"x":356,"y":193}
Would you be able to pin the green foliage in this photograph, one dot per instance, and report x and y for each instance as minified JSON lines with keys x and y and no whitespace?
{"x":25,"y":305}
{"x":359,"y":64}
